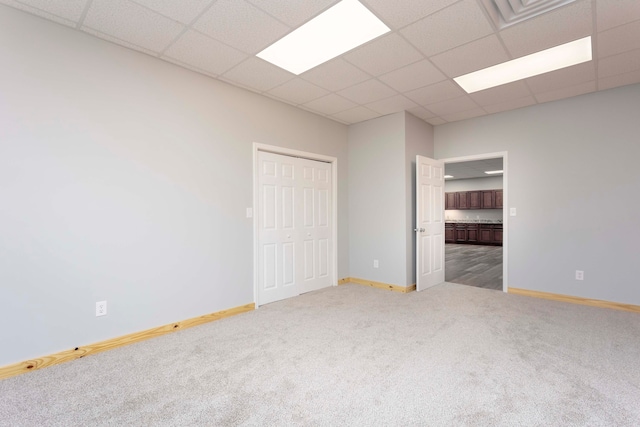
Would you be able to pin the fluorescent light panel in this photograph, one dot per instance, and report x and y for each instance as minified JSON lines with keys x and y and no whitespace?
{"x":448,"y":176}
{"x":555,"y":58}
{"x":343,"y":27}
{"x":493,"y":172}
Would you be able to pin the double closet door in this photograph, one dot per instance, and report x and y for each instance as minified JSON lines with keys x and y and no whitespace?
{"x":294,"y":226}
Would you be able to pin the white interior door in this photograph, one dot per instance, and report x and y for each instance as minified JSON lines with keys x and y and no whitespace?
{"x":316,"y":225}
{"x":429,"y":222}
{"x":294,"y":226}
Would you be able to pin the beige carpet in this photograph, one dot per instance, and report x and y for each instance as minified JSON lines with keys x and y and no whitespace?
{"x":352,"y":355}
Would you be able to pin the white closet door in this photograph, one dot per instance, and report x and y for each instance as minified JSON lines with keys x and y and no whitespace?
{"x":277,"y":227}
{"x":294,"y":221}
{"x":316,"y":225}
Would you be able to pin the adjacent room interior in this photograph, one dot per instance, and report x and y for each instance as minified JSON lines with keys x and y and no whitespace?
{"x":158,"y":266}
{"x":474,"y":223}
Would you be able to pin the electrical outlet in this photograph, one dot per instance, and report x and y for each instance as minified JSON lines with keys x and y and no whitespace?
{"x":579,"y":275}
{"x":101,"y":308}
{"x":376,"y":264}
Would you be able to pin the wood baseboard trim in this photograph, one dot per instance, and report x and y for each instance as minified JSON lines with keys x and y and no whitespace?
{"x":110,"y":344}
{"x":575,"y":300}
{"x":379,"y":285}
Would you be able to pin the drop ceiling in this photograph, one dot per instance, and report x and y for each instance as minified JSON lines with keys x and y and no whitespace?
{"x":411,"y":68}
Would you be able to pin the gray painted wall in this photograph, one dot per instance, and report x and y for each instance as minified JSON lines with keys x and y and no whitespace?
{"x":574,"y":179}
{"x":377,"y":200}
{"x":382,"y":156}
{"x":125,"y":178}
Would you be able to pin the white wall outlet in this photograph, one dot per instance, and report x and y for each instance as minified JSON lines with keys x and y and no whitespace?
{"x":376,"y":264}
{"x":579,"y":275}
{"x":101,"y":308}
{"x":512,"y":211}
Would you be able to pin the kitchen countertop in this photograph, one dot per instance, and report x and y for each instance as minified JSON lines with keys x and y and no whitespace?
{"x":473,"y":221}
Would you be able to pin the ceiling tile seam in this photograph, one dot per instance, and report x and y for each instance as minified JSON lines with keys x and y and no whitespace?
{"x":84,"y":13}
{"x":248,"y":58}
{"x":285,"y":23}
{"x":141,"y":49}
{"x":186,"y":28}
{"x":594,"y":42}
{"x":30,"y":9}
{"x":193,"y":68}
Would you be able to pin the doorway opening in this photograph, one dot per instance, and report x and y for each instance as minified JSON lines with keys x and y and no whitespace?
{"x":475,"y":221}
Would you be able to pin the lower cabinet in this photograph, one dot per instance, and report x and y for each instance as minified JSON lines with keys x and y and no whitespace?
{"x":473,"y":233}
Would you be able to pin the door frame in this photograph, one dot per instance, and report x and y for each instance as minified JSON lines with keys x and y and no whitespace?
{"x":334,"y":206}
{"x":505,"y":208}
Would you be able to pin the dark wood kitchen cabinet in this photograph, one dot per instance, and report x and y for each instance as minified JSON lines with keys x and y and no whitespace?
{"x":498,"y":199}
{"x":488,"y":199}
{"x":463,"y":200}
{"x":473,"y":233}
{"x":449,"y":233}
{"x":450,"y":201}
{"x":475,"y":200}
{"x":481,"y":199}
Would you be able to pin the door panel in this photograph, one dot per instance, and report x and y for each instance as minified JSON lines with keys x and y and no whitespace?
{"x":294,"y":226}
{"x":430,"y":222}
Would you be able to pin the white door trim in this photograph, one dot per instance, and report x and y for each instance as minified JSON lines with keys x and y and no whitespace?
{"x":334,"y":206}
{"x":505,"y":208}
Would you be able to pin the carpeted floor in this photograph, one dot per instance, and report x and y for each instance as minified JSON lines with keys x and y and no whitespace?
{"x":450,"y":356}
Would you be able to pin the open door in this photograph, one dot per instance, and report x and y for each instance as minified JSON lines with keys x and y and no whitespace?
{"x":429,"y":222}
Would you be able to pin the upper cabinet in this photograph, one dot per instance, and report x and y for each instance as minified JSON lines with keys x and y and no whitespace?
{"x":481,"y":199}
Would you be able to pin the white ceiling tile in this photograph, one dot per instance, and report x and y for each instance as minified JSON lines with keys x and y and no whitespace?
{"x":330,"y":104}
{"x":298,"y":91}
{"x":293,"y":13}
{"x":501,"y":93}
{"x":619,"y":80}
{"x":241,"y":25}
{"x":391,"y":105}
{"x":619,"y":64}
{"x":335,"y":75}
{"x":418,"y":74}
{"x":473,"y":56}
{"x":355,"y":115}
{"x":69,"y":10}
{"x":384,"y":54}
{"x":619,"y":39}
{"x":436,"y":93}
{"x":464,"y":115}
{"x":611,"y":13}
{"x":450,"y":106}
{"x":436,"y":121}
{"x":451,"y":27}
{"x":184,"y":11}
{"x":203,"y":52}
{"x":566,"y":92}
{"x":550,"y":29}
{"x":132,"y":23}
{"x":367,"y":91}
{"x":560,"y":78}
{"x":510,"y":105}
{"x":397,"y":14}
{"x":421,"y":113}
{"x":117,"y":41}
{"x":258,"y":75}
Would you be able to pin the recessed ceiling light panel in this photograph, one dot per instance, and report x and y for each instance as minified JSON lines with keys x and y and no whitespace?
{"x":493,"y":172}
{"x":555,"y":58}
{"x":339,"y":29}
{"x":448,"y":176}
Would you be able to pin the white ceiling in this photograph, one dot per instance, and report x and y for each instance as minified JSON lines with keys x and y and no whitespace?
{"x":411,"y":68}
{"x":472,"y":169}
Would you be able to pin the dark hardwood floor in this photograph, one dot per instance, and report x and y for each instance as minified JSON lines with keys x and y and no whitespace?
{"x":474,"y":265}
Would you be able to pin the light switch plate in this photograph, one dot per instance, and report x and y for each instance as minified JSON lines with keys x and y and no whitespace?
{"x":512,"y":211}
